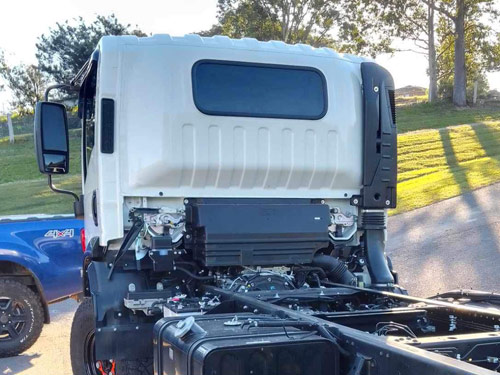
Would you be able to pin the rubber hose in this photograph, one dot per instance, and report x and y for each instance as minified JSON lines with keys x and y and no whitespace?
{"x":378,"y":267}
{"x":335,"y":269}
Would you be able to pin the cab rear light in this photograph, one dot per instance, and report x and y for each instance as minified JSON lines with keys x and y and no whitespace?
{"x":82,"y":239}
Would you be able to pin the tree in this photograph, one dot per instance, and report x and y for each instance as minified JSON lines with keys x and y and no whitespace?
{"x":482,"y":54}
{"x":66,"y":47}
{"x":27,"y":84}
{"x":413,"y":20}
{"x":2,"y":65}
{"x":342,"y":24}
{"x":459,"y":13}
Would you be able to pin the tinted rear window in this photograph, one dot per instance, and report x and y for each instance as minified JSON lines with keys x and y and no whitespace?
{"x":226,"y":88}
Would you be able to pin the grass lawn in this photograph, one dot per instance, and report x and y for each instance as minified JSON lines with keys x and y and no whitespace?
{"x":24,"y":189}
{"x":438,"y":164}
{"x":440,"y":115}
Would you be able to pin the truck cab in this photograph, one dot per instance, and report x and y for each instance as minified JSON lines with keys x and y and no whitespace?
{"x":232,"y":184}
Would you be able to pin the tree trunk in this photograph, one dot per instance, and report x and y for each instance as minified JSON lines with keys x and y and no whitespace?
{"x":432,"y":94}
{"x":474,"y":97}
{"x":459,"y":79}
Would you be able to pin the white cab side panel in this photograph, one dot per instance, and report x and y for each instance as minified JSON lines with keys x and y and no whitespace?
{"x":165,"y":145}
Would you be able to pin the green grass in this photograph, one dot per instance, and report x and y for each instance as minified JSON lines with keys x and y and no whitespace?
{"x":439,"y":164}
{"x":24,"y":189}
{"x":440,"y":115}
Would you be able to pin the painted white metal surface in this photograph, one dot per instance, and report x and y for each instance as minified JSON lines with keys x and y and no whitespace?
{"x":165,"y":147}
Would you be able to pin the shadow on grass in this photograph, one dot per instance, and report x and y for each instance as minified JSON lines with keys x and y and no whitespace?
{"x":460,"y":174}
{"x":487,"y":137}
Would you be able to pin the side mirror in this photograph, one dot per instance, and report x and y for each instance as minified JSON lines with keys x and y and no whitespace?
{"x":51,"y":138}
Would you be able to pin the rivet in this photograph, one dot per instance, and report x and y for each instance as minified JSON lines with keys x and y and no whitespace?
{"x":375,"y":89}
{"x":387,"y":202}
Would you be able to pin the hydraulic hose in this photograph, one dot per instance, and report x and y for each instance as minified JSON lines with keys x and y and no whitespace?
{"x":335,"y":269}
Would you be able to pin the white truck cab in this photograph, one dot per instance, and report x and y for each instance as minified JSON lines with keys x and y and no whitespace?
{"x":231,"y":164}
{"x":170,"y":118}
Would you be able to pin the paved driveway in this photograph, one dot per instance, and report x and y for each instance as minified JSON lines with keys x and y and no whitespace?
{"x":50,"y":354}
{"x":448,"y":245}
{"x":455,"y":243}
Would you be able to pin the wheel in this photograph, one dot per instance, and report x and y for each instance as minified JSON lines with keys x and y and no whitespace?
{"x":82,"y":348}
{"x":21,"y":317}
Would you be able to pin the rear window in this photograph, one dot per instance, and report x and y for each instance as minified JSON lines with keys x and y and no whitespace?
{"x":227,"y":88}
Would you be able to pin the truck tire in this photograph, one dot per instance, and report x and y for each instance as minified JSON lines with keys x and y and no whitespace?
{"x":21,"y":318}
{"x":83,"y":361}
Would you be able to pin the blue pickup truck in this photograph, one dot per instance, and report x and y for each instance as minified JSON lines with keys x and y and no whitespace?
{"x":40,"y":262}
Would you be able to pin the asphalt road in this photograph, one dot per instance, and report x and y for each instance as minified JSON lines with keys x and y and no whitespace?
{"x":448,"y":245}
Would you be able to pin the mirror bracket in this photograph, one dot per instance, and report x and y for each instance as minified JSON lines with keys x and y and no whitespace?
{"x":54,"y":87}
{"x":54,"y":189}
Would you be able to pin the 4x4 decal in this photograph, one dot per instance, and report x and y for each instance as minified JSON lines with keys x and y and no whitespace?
{"x":54,"y":233}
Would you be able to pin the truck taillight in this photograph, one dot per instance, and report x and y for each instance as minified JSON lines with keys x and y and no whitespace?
{"x":82,"y":239}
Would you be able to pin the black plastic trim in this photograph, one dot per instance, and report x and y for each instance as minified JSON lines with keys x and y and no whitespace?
{"x":380,"y":138}
{"x":107,"y":126}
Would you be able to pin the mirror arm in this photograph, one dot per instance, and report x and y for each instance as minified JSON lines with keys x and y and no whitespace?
{"x":53,"y":188}
{"x":58,"y":86}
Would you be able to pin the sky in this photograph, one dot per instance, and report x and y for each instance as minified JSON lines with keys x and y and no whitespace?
{"x":19,"y":29}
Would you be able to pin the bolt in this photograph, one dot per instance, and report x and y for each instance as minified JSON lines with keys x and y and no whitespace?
{"x":188,"y":236}
{"x":98,"y":330}
{"x":375,"y":89}
{"x":355,"y":201}
{"x":119,"y":314}
{"x":322,"y":201}
{"x":114,"y":329}
{"x":186,"y":201}
{"x":137,"y":327}
{"x":387,"y":202}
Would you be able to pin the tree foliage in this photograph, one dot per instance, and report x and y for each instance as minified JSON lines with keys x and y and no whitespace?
{"x":27,"y":84}
{"x":348,"y":26}
{"x":66,"y":47}
{"x":413,"y":20}
{"x":2,"y":65}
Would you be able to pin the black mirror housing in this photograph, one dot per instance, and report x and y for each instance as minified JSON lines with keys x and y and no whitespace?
{"x":51,"y":138}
